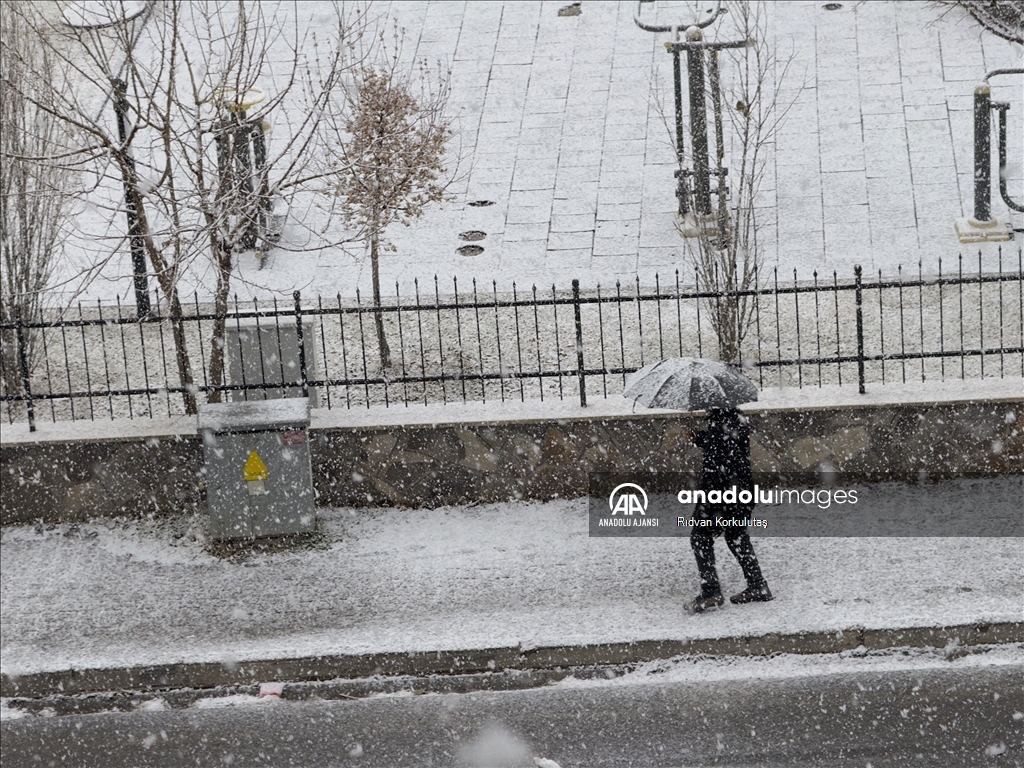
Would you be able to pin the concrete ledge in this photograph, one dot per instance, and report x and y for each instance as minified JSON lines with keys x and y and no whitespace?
{"x":1004,"y":390}
{"x":323,"y":668}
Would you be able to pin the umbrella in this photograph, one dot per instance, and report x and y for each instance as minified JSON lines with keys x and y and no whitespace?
{"x":689,"y":384}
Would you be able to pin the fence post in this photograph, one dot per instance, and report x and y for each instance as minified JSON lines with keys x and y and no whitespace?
{"x":301,"y":342}
{"x":860,"y":331}
{"x":579,"y":343}
{"x":26,"y":384}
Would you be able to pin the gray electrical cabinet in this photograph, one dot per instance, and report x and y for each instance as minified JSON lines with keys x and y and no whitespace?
{"x":259,"y":481}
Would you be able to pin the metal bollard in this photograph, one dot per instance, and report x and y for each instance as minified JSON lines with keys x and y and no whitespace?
{"x":982,"y":152}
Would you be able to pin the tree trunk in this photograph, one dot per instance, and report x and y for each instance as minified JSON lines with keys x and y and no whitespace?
{"x":220,"y":304}
{"x":728,"y":318}
{"x":181,"y":355}
{"x":378,"y":316}
{"x":727,"y":327}
{"x":167,"y":279}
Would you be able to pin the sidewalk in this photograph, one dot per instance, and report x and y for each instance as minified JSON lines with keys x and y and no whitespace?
{"x":498,"y":586}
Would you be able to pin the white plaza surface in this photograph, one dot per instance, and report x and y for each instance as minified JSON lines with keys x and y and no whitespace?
{"x":558,"y":126}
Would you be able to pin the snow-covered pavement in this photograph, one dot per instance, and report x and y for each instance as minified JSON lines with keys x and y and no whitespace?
{"x":872,"y":165}
{"x":113,"y":593}
{"x":559,"y":128}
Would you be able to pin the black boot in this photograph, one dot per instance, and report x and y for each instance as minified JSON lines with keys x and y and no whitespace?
{"x":705,"y":602}
{"x":754,"y":594}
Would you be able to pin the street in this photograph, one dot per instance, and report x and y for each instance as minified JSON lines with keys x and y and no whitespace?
{"x":935,"y":717}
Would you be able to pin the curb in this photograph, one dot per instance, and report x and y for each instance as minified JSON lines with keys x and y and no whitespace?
{"x":512,"y":658}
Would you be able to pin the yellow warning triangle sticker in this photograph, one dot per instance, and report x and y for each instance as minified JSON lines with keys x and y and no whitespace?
{"x":255,"y":469}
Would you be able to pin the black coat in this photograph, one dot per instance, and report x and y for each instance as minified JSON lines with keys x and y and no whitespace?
{"x":726,"y":446}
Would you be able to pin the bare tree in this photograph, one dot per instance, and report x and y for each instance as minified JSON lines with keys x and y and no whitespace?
{"x":723,"y":247}
{"x":388,"y":156}
{"x":201,"y":81}
{"x":35,"y":192}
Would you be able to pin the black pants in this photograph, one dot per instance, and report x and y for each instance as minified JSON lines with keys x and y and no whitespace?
{"x":702,"y":540}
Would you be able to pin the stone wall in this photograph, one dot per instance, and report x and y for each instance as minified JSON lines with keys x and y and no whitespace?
{"x":56,"y":481}
{"x":434,"y":465}
{"x":60,"y":478}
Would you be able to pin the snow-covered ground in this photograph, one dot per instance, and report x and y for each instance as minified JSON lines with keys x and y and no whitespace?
{"x":559,"y":130}
{"x":558,"y":127}
{"x":117,"y":593}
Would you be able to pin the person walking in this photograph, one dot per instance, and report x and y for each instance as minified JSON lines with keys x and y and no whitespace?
{"x":726,"y":464}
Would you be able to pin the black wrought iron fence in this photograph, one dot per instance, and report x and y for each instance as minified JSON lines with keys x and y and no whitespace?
{"x":484,"y":345}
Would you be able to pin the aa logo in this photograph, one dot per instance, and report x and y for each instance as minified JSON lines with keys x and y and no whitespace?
{"x":628,"y":498}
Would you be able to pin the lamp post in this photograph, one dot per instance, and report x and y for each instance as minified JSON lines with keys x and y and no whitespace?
{"x":700,"y":219}
{"x":91,"y":18}
{"x":982,"y":227}
{"x":241,"y":147}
